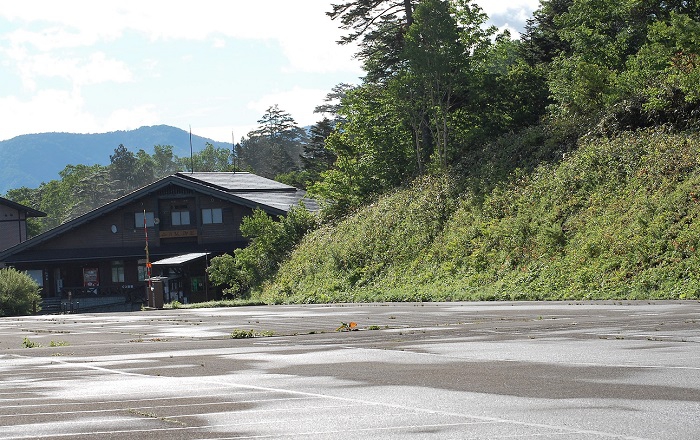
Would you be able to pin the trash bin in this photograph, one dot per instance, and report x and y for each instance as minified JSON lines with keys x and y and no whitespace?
{"x":156,"y":291}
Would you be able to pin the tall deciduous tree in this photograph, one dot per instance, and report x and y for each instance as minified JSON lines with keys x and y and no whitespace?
{"x":165,"y":161}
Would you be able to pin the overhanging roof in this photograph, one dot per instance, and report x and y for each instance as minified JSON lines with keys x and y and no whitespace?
{"x":14,"y":205}
{"x":180,"y":259}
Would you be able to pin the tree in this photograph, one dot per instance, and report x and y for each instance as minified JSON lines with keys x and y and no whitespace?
{"x":316,"y":158}
{"x":333,"y":102}
{"x":123,"y":168}
{"x":145,"y":172}
{"x":19,"y":293}
{"x":541,"y":39}
{"x":94,"y":189}
{"x":209,"y":159}
{"x":374,"y":150}
{"x":380,"y":26}
{"x":437,"y":55}
{"x":165,"y":161}
{"x":275,"y":146}
{"x":590,"y":81}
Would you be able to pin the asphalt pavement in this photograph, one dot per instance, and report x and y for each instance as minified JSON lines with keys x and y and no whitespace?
{"x":492,"y":370}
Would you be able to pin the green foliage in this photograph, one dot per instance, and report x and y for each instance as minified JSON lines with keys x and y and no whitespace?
{"x":374,"y":150}
{"x":616,"y":219}
{"x":626,"y":64}
{"x":215,"y":303}
{"x":58,"y":344}
{"x":270,"y":242}
{"x":28,"y":343}
{"x":274,"y":147}
{"x":336,"y":260}
{"x":244,"y":334}
{"x":208,"y":160}
{"x":19,"y":293}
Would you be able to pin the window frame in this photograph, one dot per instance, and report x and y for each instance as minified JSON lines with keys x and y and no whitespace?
{"x":117,"y":268}
{"x":179,"y":215}
{"x":213,"y":216}
{"x":150,"y":219}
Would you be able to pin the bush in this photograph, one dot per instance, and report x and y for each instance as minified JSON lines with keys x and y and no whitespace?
{"x":271,"y":242}
{"x":18,"y":293}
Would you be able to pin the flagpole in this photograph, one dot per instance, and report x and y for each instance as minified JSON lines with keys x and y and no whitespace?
{"x":148,"y":261}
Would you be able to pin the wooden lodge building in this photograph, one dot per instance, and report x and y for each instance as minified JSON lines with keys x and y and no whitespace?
{"x":183,"y":220}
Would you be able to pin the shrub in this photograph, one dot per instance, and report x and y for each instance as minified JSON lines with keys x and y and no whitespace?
{"x":18,"y":293}
{"x":271,"y":242}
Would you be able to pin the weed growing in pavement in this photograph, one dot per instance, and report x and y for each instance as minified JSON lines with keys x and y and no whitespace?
{"x":243,"y":334}
{"x":58,"y":344}
{"x":30,"y":344}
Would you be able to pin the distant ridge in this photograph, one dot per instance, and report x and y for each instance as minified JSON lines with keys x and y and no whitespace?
{"x":30,"y":159}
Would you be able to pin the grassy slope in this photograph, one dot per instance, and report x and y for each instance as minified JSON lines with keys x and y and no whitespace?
{"x":615,"y":219}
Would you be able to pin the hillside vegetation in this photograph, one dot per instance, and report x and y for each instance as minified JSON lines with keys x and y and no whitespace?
{"x":614,"y":219}
{"x":470,"y":165}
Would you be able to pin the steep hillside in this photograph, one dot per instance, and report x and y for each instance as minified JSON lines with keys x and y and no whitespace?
{"x":30,"y":159}
{"x":615,"y":219}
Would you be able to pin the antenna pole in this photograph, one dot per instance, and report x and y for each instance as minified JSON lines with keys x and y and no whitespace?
{"x":191,"y":154}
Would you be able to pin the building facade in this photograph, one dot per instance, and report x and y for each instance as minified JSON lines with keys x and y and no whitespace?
{"x":169,"y":229}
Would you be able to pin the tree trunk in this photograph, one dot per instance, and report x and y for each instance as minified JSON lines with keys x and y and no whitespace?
{"x":409,"y":12}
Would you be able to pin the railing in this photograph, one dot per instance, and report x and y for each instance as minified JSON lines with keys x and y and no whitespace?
{"x":75,"y":299}
{"x":130,"y":291}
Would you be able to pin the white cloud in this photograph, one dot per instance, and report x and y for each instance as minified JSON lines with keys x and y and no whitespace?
{"x":58,"y":110}
{"x":223,"y":133}
{"x":129,"y":119}
{"x":62,"y":111}
{"x":298,"y":102}
{"x":305,"y":33}
{"x":95,"y":69}
{"x":493,"y":7}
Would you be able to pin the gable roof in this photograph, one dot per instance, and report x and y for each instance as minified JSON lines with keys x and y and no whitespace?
{"x":14,"y":205}
{"x":272,"y":197}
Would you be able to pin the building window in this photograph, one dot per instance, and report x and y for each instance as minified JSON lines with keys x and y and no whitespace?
{"x":117,"y":271}
{"x":142,"y":270}
{"x":212,"y":215}
{"x":180,"y":218}
{"x":138,"y":220}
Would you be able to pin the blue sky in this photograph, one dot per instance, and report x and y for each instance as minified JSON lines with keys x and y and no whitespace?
{"x":215,"y":65}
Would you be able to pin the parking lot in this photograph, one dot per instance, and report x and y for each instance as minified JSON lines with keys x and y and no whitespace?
{"x":532,"y":370}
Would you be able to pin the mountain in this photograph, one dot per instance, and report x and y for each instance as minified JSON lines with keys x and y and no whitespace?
{"x":30,"y":159}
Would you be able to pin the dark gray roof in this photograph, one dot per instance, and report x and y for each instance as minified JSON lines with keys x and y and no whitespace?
{"x":237,"y":182}
{"x":281,"y":200}
{"x":14,"y":205}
